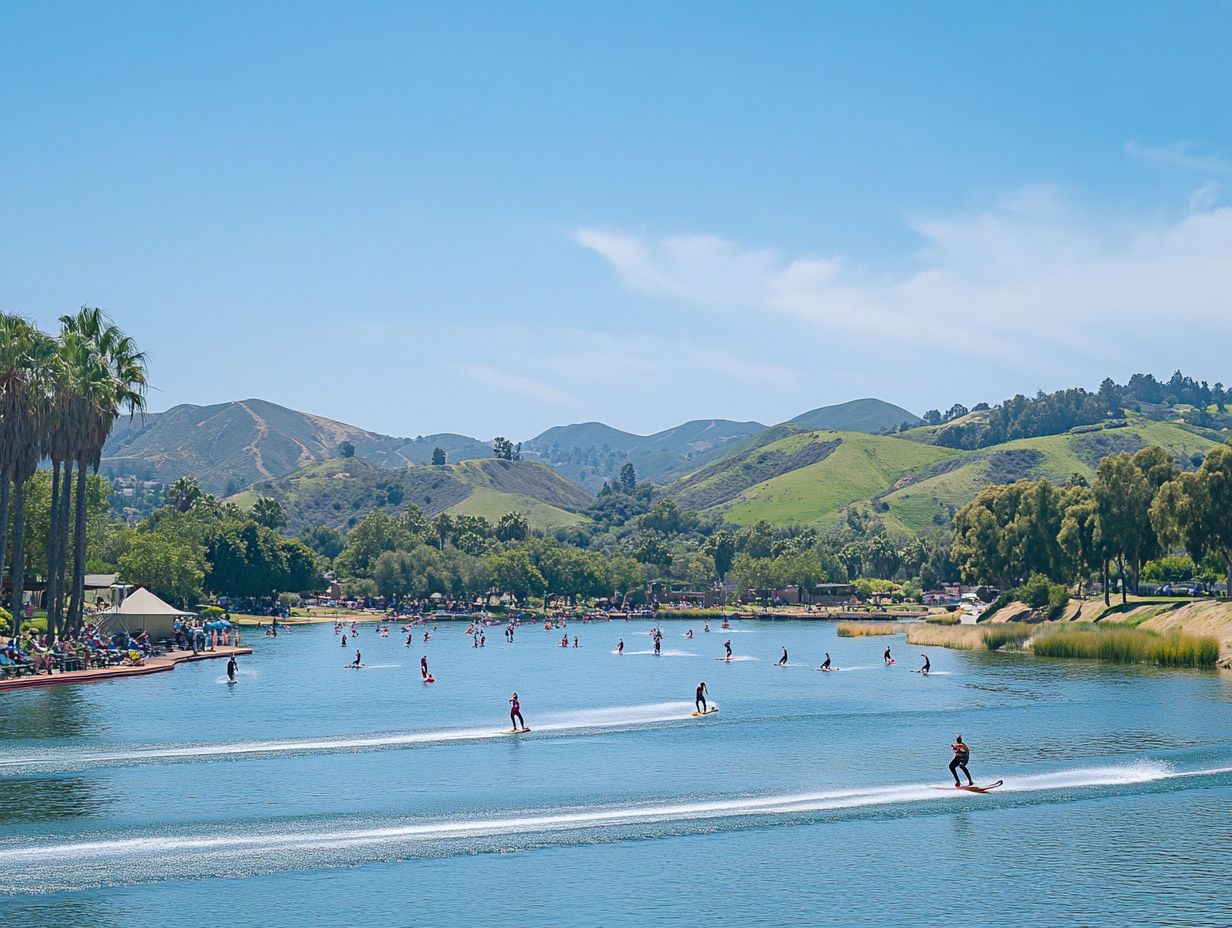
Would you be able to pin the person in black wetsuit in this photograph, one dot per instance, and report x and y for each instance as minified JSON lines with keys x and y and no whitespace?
{"x":927,"y":666}
{"x":783,"y":659}
{"x":231,"y":668}
{"x":727,"y":645}
{"x":962,"y":754}
{"x":825,"y":665}
{"x":700,"y":701}
{"x":886,"y":657}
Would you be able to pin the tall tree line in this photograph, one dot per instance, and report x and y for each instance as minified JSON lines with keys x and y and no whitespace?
{"x":59,"y":398}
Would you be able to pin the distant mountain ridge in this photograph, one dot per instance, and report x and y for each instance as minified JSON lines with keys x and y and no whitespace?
{"x":230,"y":446}
{"x":590,"y":453}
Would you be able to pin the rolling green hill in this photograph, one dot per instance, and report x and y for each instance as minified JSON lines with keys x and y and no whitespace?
{"x":339,"y":492}
{"x":929,"y":500}
{"x":866,"y":415}
{"x":785,"y":475}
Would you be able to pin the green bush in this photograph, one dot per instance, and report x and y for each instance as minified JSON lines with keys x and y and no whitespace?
{"x":5,"y":618}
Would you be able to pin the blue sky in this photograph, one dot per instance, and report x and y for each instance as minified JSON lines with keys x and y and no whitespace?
{"x":493,"y":218}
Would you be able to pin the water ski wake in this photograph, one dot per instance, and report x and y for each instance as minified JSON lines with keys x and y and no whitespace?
{"x":49,"y":864}
{"x":581,"y":722}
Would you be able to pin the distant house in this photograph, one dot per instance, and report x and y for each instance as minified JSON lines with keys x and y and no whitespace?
{"x":833,"y":594}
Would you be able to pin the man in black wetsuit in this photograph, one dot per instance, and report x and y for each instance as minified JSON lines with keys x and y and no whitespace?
{"x":700,"y":701}
{"x":727,"y":645}
{"x":825,"y":665}
{"x":962,"y":754}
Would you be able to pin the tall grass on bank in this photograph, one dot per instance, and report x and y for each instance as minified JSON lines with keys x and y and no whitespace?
{"x":944,"y":618}
{"x":696,"y":614}
{"x":971,"y":637}
{"x":870,"y":629}
{"x":1128,"y":646}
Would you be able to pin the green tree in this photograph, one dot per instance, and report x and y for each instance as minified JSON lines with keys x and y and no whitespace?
{"x":169,"y":566}
{"x":27,"y":359}
{"x":1123,"y":502}
{"x":502,"y":448}
{"x":108,"y":374}
{"x":267,"y":511}
{"x":513,"y":572}
{"x":722,"y":547}
{"x":1194,"y":510}
{"x":377,"y":532}
{"x":512,"y":526}
{"x":324,"y":540}
{"x":184,"y":492}
{"x":438,"y":456}
{"x":346,"y":449}
{"x":628,"y":478}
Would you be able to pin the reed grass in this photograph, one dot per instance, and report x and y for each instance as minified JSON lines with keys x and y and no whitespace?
{"x":971,"y":637}
{"x":945,"y":618}
{"x":870,"y":629}
{"x":1128,"y":646}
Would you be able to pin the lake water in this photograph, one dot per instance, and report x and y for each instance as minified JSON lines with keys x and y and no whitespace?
{"x":309,"y":794}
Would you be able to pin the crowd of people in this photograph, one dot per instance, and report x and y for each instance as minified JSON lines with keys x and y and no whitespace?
{"x":38,"y":654}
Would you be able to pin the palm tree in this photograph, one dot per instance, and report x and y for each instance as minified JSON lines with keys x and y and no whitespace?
{"x":26,"y":360}
{"x":62,"y":425}
{"x":108,"y":377}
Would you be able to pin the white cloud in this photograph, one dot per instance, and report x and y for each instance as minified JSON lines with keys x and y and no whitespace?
{"x":1205,"y":197}
{"x":1181,"y":154}
{"x":1027,"y":273}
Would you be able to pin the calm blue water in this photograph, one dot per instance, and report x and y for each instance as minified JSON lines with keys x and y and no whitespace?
{"x":309,"y":794}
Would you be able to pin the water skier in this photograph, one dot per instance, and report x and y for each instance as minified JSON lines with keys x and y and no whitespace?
{"x":962,"y":754}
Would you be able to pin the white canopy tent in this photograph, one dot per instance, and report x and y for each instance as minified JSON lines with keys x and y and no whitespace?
{"x":141,"y":611}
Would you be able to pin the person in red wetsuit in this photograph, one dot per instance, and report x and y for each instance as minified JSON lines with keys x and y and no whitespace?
{"x":515,"y":714}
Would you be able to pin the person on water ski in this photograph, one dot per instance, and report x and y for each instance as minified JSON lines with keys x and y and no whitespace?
{"x":515,"y":714}
{"x":825,"y":665}
{"x":783,"y":659}
{"x":620,"y":647}
{"x":231,"y":668}
{"x":927,"y":666}
{"x":356,"y":663}
{"x":727,"y":645}
{"x":962,"y":754}
{"x":886,"y":657}
{"x":423,"y":666}
{"x":700,"y":701}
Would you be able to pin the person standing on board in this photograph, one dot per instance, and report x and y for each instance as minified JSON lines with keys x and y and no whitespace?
{"x":620,"y":647}
{"x":423,"y":666}
{"x":358,"y":662}
{"x":962,"y":754}
{"x":727,"y":645}
{"x":231,"y":668}
{"x":700,"y":701}
{"x":886,"y":657}
{"x":515,"y":714}
{"x":783,"y":659}
{"x":927,"y":666}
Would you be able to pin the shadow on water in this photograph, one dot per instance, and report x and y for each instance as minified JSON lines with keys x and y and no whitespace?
{"x":56,"y":712}
{"x":74,"y":911}
{"x":48,"y":799}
